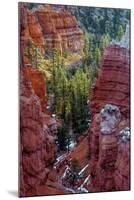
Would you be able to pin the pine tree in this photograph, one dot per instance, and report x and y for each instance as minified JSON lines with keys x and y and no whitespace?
{"x":104,"y":41}
{"x":120,"y":33}
{"x":36,"y":58}
{"x":97,"y":56}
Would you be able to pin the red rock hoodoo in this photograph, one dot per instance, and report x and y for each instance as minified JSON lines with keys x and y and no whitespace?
{"x":109,"y":133}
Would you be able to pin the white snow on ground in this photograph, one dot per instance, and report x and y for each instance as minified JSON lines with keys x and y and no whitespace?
{"x":59,"y":159}
{"x":83,"y":169}
{"x":72,"y":145}
{"x":82,"y":188}
{"x":70,"y":190}
{"x":86,"y":180}
{"x":65,"y":172}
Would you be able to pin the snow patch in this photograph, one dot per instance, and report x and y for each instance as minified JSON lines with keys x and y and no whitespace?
{"x":83,"y":169}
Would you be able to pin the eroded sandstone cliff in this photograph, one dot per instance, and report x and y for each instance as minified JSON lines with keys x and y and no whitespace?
{"x":38,"y":84}
{"x":29,"y":29}
{"x":108,"y":144}
{"x":50,"y":27}
{"x":37,"y":147}
{"x":112,"y":85}
{"x":110,"y":133}
{"x":60,"y":29}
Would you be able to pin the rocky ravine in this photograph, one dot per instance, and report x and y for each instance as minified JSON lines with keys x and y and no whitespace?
{"x":37,"y":129}
{"x":105,"y":166}
{"x":103,"y":157}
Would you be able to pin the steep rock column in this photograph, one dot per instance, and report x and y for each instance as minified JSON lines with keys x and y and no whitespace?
{"x":122,"y":172}
{"x":94,"y":141}
{"x":111,"y":87}
{"x":37,"y":148}
{"x":102,"y":177}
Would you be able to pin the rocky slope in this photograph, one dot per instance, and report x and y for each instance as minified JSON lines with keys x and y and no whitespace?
{"x":59,"y":177}
{"x":110,"y":133}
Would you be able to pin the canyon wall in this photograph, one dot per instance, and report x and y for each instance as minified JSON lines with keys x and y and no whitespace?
{"x":113,"y":82}
{"x":60,"y":29}
{"x":108,"y":168}
{"x":37,"y":146}
{"x":110,"y":133}
{"x":29,"y":29}
{"x":50,"y":27}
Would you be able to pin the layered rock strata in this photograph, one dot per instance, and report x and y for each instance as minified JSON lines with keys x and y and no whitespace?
{"x":49,"y":27}
{"x":104,"y":167}
{"x":113,"y":83}
{"x":60,"y":29}
{"x":29,"y":29}
{"x":109,"y":134}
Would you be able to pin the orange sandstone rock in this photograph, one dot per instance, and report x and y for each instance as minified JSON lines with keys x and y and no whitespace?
{"x":38,"y":84}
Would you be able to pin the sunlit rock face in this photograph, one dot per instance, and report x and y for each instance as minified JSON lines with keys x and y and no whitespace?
{"x":38,"y":84}
{"x":29,"y":28}
{"x":60,"y":29}
{"x":49,"y":27}
{"x":37,"y":148}
{"x":109,"y":134}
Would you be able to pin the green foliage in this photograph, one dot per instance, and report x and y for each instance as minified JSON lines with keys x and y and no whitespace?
{"x":62,"y":137}
{"x":36,"y":58}
{"x":100,"y":21}
{"x":86,"y":46}
{"x":66,"y":53}
{"x":120,"y":33}
{"x":70,"y":91}
{"x":104,"y":41}
{"x":70,"y":94}
{"x":97,"y":56}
